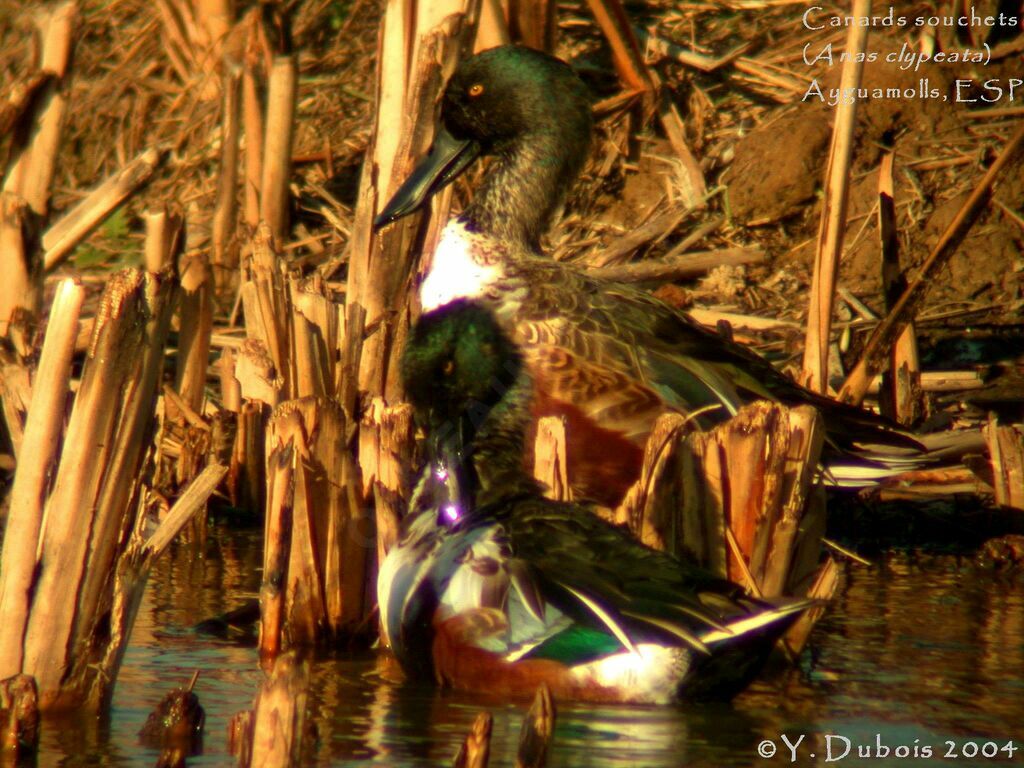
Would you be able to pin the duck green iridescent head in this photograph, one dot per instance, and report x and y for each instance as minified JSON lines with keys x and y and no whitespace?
{"x":457,"y":365}
{"x":527,"y":108}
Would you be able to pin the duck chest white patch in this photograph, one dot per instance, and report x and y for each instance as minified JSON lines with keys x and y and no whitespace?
{"x":465,"y":263}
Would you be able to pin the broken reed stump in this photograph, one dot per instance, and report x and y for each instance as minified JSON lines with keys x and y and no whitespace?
{"x":475,"y":751}
{"x":19,"y":719}
{"x":25,"y":196}
{"x":93,"y":485}
{"x":288,"y":374}
{"x":1006,"y":449}
{"x":74,"y":558}
{"x":318,"y":536}
{"x":534,"y":736}
{"x":900,"y":393}
{"x":413,"y":63}
{"x":741,"y":499}
{"x":273,"y":732}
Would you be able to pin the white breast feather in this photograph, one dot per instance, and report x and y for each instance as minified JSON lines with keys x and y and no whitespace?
{"x":454,"y":273}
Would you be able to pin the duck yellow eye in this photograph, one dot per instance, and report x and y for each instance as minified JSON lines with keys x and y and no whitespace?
{"x":448,"y":367}
{"x":476,"y":89}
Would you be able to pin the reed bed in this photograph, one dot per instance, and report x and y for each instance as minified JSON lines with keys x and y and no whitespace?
{"x":247,"y":352}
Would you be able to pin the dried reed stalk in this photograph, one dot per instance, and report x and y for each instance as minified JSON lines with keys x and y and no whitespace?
{"x":317,"y":338}
{"x":105,"y":443}
{"x":492,"y":30}
{"x":279,"y":714}
{"x":25,"y":197}
{"x":195,"y":313}
{"x":31,"y":482}
{"x":264,"y":298}
{"x":687,"y":265}
{"x":550,"y":460}
{"x":132,"y":570}
{"x":225,"y":213}
{"x":331,"y":533}
{"x":833,"y":211}
{"x":60,"y":240}
{"x":277,"y":545}
{"x":533,"y":23}
{"x":19,"y":720}
{"x":749,"y":480}
{"x":886,"y":333}
{"x":475,"y":751}
{"x":901,"y":386}
{"x":1006,"y":449}
{"x":240,"y":738}
{"x":386,"y":443}
{"x":413,"y":64}
{"x":252,"y":117}
{"x":277,"y":148}
{"x":15,"y":394}
{"x":629,"y":62}
{"x":538,"y":727}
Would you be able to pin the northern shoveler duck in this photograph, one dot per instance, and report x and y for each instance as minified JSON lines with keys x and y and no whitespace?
{"x":607,"y":357}
{"x":495,"y":588}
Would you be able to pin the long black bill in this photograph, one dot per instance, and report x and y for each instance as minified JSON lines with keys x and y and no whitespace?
{"x":448,"y":158}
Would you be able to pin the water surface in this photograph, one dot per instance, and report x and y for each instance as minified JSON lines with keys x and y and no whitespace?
{"x":916,"y":651}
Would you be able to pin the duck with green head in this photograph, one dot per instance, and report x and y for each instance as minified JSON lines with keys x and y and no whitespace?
{"x":494,"y":588}
{"x":608,"y":358}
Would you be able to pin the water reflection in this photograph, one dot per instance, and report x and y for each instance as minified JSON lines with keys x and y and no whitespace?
{"x":918,"y":650}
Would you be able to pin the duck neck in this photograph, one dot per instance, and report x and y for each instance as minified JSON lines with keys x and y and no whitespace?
{"x":523,"y":190}
{"x":498,"y":446}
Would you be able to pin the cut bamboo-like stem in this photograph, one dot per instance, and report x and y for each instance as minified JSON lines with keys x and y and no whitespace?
{"x":252,"y":116}
{"x":277,"y":149}
{"x":163,"y":239}
{"x":886,"y":333}
{"x":833,"y":212}
{"x":87,"y":512}
{"x":32,"y":173}
{"x":21,"y":288}
{"x":902,"y":389}
{"x":60,"y":239}
{"x":225,"y":251}
{"x":195,"y":312}
{"x":31,"y":482}
{"x":278,"y":541}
